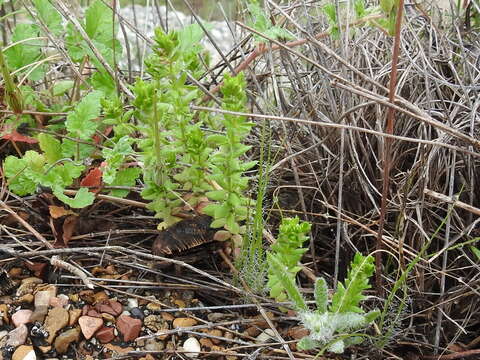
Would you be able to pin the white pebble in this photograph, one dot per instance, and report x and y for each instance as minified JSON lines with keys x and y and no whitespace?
{"x":132,"y":303}
{"x":192,"y":347}
{"x":265,"y":335}
{"x":30,"y":355}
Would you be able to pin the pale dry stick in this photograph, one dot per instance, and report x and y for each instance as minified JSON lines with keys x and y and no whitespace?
{"x":340,"y":184}
{"x":26,"y":225}
{"x":392,"y":244}
{"x":452,"y":200}
{"x":446,"y":240}
{"x":70,"y":17}
{"x":454,"y":356}
{"x":337,"y":126}
{"x":22,"y":41}
{"x":52,"y":251}
{"x":34,"y":66}
{"x":426,"y":119}
{"x":14,"y":237}
{"x":414,"y":112}
{"x":114,"y":232}
{"x":355,"y":70}
{"x":55,"y":261}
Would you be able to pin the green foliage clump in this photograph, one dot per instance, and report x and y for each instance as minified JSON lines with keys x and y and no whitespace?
{"x":226,"y":167}
{"x":186,"y":159}
{"x":262,"y":23}
{"x":333,"y":327}
{"x":179,"y":152}
{"x":287,"y":251}
{"x":54,"y":167}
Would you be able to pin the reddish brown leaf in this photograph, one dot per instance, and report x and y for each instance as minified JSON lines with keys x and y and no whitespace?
{"x":39,"y":269}
{"x":17,"y":137}
{"x":92,"y":179}
{"x":69,"y":226}
{"x":10,"y":219}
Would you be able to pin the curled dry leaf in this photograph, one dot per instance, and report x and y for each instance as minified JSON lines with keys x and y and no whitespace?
{"x":69,"y":226}
{"x":59,"y":211}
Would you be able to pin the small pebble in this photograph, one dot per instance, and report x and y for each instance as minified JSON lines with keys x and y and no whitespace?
{"x":192,"y":347}
{"x":184,"y":322}
{"x":132,"y":303}
{"x":21,"y":317}
{"x":137,"y":313}
{"x":265,"y":336}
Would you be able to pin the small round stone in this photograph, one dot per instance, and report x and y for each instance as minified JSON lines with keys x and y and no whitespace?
{"x":137,"y":313}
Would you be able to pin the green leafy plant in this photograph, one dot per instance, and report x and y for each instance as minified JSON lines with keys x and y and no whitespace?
{"x":287,"y":251}
{"x":180,"y":153}
{"x":262,"y":23}
{"x":382,"y":16}
{"x":226,"y":167}
{"x":252,"y":262}
{"x":187,"y":160}
{"x":335,"y":326}
{"x":60,"y":162}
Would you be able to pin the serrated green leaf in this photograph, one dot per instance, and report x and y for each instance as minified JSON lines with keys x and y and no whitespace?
{"x":82,"y":198}
{"x":371,"y":316}
{"x":99,"y":22}
{"x":331,"y":13}
{"x":387,"y":6}
{"x":103,"y":82}
{"x":50,"y":146}
{"x":217,"y":195}
{"x":26,"y":53}
{"x":80,"y":120}
{"x":259,"y":20}
{"x":321,"y":295}
{"x":14,"y":170}
{"x":277,"y":32}
{"x":308,"y":343}
{"x":288,"y":282}
{"x":191,"y":35}
{"x":359,"y":8}
{"x":218,"y":223}
{"x":125,"y":177}
{"x":49,"y":15}
{"x":348,"y":296}
{"x":231,"y":225}
{"x":61,"y":87}
{"x":69,"y":149}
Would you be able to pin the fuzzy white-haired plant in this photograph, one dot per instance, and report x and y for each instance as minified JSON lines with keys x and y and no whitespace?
{"x":335,"y":326}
